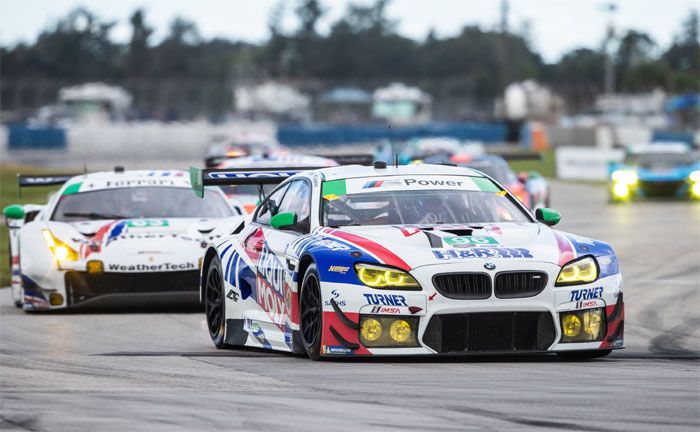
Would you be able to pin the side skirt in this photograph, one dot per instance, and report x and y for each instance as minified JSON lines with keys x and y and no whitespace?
{"x":235,"y":335}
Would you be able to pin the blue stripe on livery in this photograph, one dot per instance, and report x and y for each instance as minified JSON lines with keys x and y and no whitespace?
{"x":607,"y":261}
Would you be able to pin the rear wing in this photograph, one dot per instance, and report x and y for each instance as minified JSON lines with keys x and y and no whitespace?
{"x":519,"y":156}
{"x":241,"y":176}
{"x":351,"y":159}
{"x":41,"y":180}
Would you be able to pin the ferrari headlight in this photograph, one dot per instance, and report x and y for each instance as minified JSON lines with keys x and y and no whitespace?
{"x":625,"y":177}
{"x":580,"y":271}
{"x":375,"y":276}
{"x":60,"y":250}
{"x":694,"y":176}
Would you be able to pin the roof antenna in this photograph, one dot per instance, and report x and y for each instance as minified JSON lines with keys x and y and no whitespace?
{"x":84,"y":168}
{"x":393,"y":150}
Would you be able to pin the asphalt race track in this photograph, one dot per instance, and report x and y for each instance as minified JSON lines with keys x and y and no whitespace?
{"x":158,"y":371}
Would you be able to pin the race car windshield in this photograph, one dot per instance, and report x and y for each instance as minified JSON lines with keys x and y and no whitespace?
{"x":658,"y":160}
{"x":140,"y":202}
{"x":424,"y":207}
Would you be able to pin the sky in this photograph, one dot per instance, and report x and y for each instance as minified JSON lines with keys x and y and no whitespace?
{"x":556,"y":26}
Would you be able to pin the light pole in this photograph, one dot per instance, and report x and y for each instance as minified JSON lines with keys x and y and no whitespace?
{"x":609,"y":78}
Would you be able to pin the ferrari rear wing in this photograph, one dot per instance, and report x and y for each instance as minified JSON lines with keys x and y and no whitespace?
{"x":41,"y":180}
{"x":199,"y":178}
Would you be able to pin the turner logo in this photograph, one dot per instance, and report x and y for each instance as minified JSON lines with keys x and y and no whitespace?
{"x":586,"y":294}
{"x":386,"y":299}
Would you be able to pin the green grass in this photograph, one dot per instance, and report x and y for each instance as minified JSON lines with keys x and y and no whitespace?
{"x":545,"y":166}
{"x":8,"y":195}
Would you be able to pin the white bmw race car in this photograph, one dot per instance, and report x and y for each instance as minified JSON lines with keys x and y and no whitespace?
{"x":113,"y":237}
{"x":408,"y":260}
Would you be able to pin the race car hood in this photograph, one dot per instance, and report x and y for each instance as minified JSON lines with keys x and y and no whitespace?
{"x":419,"y":246}
{"x":129,"y":241}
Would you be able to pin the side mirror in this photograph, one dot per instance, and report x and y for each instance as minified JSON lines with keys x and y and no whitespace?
{"x":272,"y":206}
{"x":523,"y":176}
{"x":283,"y":220}
{"x":14,"y":211}
{"x":547,"y":216}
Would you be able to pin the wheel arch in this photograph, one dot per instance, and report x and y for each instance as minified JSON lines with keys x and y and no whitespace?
{"x":304,"y":262}
{"x":208,"y":256}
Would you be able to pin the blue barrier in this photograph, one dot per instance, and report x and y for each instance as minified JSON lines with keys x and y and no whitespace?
{"x":666,"y":136}
{"x":23,"y":137}
{"x":294,"y":135}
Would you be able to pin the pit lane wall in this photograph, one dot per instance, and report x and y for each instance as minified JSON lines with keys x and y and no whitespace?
{"x":137,"y":144}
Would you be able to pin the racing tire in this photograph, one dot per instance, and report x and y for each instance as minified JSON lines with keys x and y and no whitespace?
{"x":311,"y":310}
{"x":17,"y":301}
{"x":583,"y":355}
{"x":214,"y":303}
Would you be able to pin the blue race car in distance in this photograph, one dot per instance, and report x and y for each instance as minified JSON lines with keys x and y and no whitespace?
{"x":655,"y":170}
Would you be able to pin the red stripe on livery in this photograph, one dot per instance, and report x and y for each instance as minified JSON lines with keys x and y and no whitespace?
{"x":384,"y":254}
{"x":350,"y":335}
{"x":566,"y":251}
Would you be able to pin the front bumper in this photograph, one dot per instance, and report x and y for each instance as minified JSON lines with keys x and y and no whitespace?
{"x":680,"y":189}
{"x":83,"y":287}
{"x":483,"y":326}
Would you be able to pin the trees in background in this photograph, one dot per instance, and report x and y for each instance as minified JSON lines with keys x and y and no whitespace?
{"x":361,"y":48}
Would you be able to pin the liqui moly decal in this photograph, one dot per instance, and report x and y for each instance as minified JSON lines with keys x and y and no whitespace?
{"x":270,"y":285}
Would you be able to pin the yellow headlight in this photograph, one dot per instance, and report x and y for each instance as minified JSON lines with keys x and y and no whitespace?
{"x":400,"y":330}
{"x":95,"y":266}
{"x":695,"y":189}
{"x":60,"y":250}
{"x":625,"y":177}
{"x":55,"y":299}
{"x":586,"y":325}
{"x":694,"y":176}
{"x":570,"y":326}
{"x":592,"y":323}
{"x":385,"y":277}
{"x":371,"y":329}
{"x":621,"y":190}
{"x":578,"y":272}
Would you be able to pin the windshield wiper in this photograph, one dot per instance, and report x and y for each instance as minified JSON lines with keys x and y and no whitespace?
{"x":94,"y":215}
{"x":344,"y":225}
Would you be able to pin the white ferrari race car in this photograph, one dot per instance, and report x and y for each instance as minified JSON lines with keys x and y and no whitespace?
{"x":407,"y":260}
{"x":113,"y":237}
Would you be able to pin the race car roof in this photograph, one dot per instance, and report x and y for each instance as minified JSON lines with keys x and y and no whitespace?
{"x":131,"y":178}
{"x":280,"y":160}
{"x":357,"y":171}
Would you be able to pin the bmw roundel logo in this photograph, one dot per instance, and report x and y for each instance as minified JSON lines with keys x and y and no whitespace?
{"x":489,"y":266}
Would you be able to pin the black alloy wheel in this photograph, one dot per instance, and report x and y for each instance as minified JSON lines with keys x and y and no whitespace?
{"x":311,"y":307}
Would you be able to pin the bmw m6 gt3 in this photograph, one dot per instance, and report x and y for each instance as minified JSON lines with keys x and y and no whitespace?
{"x":407,"y":260}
